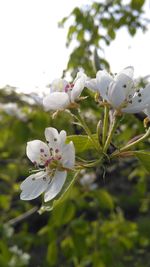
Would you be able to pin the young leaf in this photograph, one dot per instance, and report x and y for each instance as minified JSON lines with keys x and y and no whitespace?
{"x":81,"y":142}
{"x":144,"y":158}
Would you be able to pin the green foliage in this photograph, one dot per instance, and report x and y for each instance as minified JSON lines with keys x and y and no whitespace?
{"x":104,"y":223}
{"x":81,"y":142}
{"x":96,"y":24}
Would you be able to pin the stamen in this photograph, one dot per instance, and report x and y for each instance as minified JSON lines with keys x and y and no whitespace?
{"x":69,"y":87}
{"x":47,"y":162}
{"x":56,"y":150}
{"x":140,"y":100}
{"x":66,"y":88}
{"x":42,"y":166}
{"x":55,"y":139}
{"x":42,"y":150}
{"x":124,"y":85}
{"x":130,"y":96}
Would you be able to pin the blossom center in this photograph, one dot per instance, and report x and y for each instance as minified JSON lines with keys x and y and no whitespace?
{"x":69,"y":87}
{"x":51,"y":161}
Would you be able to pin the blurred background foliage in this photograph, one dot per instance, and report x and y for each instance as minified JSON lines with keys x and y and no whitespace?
{"x":104,"y":222}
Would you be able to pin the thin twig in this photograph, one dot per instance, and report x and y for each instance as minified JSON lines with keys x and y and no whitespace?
{"x":23,"y":216}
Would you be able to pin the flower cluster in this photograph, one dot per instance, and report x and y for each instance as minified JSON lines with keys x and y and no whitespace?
{"x":55,"y":158}
{"x":121,"y":92}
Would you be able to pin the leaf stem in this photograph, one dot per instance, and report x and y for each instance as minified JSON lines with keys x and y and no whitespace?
{"x":92,"y":164}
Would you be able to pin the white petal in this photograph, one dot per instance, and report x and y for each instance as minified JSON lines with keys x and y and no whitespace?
{"x":103,"y":81}
{"x":35,"y":149}
{"x":33,"y":186}
{"x":51,"y":135}
{"x":62,"y":136}
{"x":120,"y":89}
{"x":79,"y":75}
{"x":129,"y":71}
{"x":68,"y":155}
{"x":56,"y":101}
{"x":58,"y":85}
{"x":55,"y":140}
{"x":140,"y":101}
{"x":92,"y":84}
{"x":55,"y":186}
{"x":79,"y":85}
{"x":52,"y":138}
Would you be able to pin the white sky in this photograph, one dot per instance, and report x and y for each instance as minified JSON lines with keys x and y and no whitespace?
{"x":32,"y":48}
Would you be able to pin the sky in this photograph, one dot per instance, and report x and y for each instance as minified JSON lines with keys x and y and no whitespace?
{"x":32,"y":47}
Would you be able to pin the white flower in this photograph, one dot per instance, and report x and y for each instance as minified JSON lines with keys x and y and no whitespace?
{"x":120,"y":91}
{"x":53,"y":160}
{"x":88,"y":180}
{"x":63,"y":94}
{"x":12,"y":109}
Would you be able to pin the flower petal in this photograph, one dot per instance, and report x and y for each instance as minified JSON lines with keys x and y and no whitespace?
{"x":54,"y":139}
{"x":37,"y":151}
{"x":120,"y":89}
{"x":92,"y":84}
{"x":58,"y":85}
{"x":56,"y":101}
{"x":79,"y":84}
{"x":129,"y":71}
{"x":62,"y":136}
{"x":103,"y":81}
{"x":51,"y":135}
{"x":55,"y":186}
{"x":68,"y":156}
{"x":140,"y":101}
{"x":33,"y":186}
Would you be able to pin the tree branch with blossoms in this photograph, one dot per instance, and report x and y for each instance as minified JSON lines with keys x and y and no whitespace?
{"x":54,"y":159}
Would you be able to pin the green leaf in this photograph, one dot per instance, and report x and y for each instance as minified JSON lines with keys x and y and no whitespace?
{"x":81,"y":142}
{"x":105,"y":200}
{"x":52,"y":253}
{"x":64,"y":214}
{"x":144,"y":158}
{"x":111,"y":33}
{"x":137,"y":4}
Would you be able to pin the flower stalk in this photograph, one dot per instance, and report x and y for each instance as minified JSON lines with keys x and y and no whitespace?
{"x":129,"y":146}
{"x":111,"y":132}
{"x":88,"y":131}
{"x":105,"y":124}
